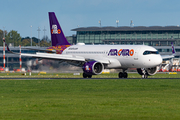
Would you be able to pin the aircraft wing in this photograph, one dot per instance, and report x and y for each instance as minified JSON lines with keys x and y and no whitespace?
{"x":56,"y":57}
{"x":167,"y":56}
{"x":65,"y":58}
{"x":101,"y":60}
{"x":170,"y":56}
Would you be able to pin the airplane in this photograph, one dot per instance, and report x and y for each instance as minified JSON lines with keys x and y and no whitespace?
{"x":93,"y":59}
{"x":170,"y":65}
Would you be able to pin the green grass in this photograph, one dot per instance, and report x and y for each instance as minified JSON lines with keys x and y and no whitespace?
{"x":90,"y":99}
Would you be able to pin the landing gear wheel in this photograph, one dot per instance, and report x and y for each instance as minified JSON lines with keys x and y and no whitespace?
{"x":142,"y":72}
{"x":89,"y":76}
{"x":145,"y":76}
{"x":123,"y":75}
{"x":85,"y":75}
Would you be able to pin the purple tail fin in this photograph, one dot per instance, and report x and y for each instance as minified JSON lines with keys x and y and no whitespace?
{"x":173,"y":49}
{"x":57,"y":35}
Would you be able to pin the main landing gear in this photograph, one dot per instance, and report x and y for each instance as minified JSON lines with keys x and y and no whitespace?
{"x":86,"y":75}
{"x":123,"y":75}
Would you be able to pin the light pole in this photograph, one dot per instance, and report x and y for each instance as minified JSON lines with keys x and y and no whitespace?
{"x":131,"y":24}
{"x":117,"y":21}
{"x":39,"y":35}
{"x":100,"y":22}
{"x":44,"y":33}
{"x":31,"y":35}
{"x":4,"y":60}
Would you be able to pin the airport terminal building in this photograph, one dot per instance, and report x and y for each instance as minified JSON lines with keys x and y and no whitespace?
{"x":157,"y":36}
{"x":152,"y":36}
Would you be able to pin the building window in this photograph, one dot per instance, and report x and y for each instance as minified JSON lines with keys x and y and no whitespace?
{"x":163,"y":43}
{"x":155,"y":43}
{"x":147,"y":43}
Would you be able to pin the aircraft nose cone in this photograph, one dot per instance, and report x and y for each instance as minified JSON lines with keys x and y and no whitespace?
{"x":159,"y":60}
{"x":154,"y":61}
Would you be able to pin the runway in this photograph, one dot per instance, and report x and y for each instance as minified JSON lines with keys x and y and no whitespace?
{"x":20,"y":78}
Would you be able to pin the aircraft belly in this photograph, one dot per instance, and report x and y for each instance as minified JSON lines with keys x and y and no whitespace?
{"x":114,"y":63}
{"x":127,"y":62}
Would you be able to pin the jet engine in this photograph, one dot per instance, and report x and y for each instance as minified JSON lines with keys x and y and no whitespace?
{"x":151,"y":71}
{"x":93,"y":68}
{"x":147,"y":71}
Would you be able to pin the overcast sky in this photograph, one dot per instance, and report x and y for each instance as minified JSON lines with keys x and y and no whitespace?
{"x":19,"y":15}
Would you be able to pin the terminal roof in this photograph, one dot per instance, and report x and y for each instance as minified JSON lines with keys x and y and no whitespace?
{"x":127,"y":28}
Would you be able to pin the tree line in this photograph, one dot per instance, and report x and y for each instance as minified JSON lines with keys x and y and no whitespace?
{"x":14,"y":38}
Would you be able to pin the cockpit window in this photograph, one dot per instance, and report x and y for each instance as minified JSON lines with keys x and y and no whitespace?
{"x":150,"y":52}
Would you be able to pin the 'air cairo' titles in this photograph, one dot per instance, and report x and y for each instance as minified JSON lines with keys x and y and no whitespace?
{"x":121,"y":52}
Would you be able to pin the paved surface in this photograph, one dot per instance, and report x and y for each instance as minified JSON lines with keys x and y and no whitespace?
{"x":20,"y":78}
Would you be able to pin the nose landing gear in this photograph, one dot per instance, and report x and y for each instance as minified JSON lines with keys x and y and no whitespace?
{"x":142,"y":72}
{"x":145,"y":76}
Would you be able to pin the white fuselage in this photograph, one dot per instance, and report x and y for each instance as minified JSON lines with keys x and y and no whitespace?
{"x":118,"y":56}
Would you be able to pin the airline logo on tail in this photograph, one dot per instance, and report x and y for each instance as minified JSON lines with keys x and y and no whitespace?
{"x":55,"y":30}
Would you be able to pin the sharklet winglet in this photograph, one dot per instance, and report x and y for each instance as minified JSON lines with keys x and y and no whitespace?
{"x":8,"y":48}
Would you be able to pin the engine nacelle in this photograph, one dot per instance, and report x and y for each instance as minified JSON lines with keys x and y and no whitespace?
{"x":151,"y":71}
{"x":93,"y":68}
{"x":148,"y":71}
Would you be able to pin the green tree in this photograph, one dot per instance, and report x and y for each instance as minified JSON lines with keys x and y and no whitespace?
{"x":1,"y":36}
{"x":27,"y":42}
{"x":44,"y":43}
{"x":46,"y":38}
{"x":36,"y":40}
{"x":14,"y":38}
